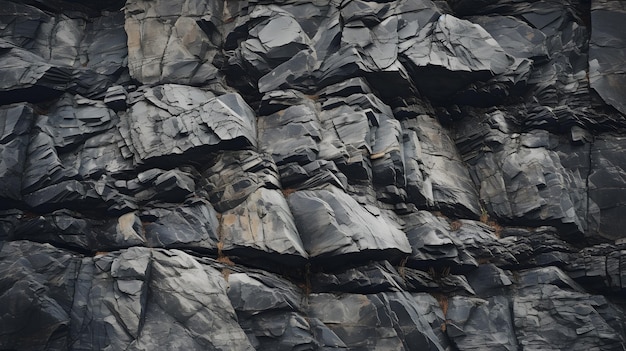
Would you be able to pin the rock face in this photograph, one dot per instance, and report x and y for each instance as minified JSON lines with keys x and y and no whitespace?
{"x":312,"y":175}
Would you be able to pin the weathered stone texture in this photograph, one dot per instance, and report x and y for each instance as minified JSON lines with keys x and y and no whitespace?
{"x":312,"y":175}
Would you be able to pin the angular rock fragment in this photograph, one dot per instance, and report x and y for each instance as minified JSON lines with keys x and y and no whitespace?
{"x":37,"y":283}
{"x":436,"y":281}
{"x":65,"y":194}
{"x":450,"y":53}
{"x":70,"y":229}
{"x":15,"y":124}
{"x":235,"y":175}
{"x":390,"y":320}
{"x":103,"y":302}
{"x":69,"y":148}
{"x":113,"y":317}
{"x":262,"y":228}
{"x":488,"y":280}
{"x":73,"y":119}
{"x":60,"y":52}
{"x":516,"y":37}
{"x":606,"y":45}
{"x":599,"y":268}
{"x":193,"y":224}
{"x":605,"y":189}
{"x":371,"y":278}
{"x":436,"y":176}
{"x":165,"y":122}
{"x":116,"y":98}
{"x":98,"y":156}
{"x":433,"y":245}
{"x":183,"y":293}
{"x":388,"y":160}
{"x":27,"y":77}
{"x":478,"y":324}
{"x":431,"y":310}
{"x":569,"y":316}
{"x":270,"y":310}
{"x":158,"y":185}
{"x":537,"y":247}
{"x":43,"y":166}
{"x":173,"y":42}
{"x":521,"y":175}
{"x":290,"y":135}
{"x":333,"y":225}
{"x":546,"y":275}
{"x":482,"y":242}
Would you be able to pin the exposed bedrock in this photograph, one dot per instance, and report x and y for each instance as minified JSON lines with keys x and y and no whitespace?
{"x":312,"y":175}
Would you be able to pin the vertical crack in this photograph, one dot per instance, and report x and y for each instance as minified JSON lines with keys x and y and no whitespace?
{"x":589,"y":170}
{"x":145,"y":298}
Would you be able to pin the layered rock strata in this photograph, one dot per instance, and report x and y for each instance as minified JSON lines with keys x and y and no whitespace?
{"x":312,"y":175}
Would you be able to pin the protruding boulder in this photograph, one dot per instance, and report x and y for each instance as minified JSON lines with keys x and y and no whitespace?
{"x":450,"y":53}
{"x":164,"y":122}
{"x":193,"y":224}
{"x":333,"y":225}
{"x":262,"y":228}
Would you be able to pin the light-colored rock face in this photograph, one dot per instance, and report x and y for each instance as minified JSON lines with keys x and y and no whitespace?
{"x":166,"y":44}
{"x":312,"y":175}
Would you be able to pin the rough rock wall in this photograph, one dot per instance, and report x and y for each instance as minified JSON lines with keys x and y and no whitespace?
{"x":312,"y":175}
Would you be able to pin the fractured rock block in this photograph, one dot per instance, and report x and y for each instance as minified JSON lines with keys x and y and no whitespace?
{"x":332,"y":224}
{"x":574,"y":320}
{"x":164,"y":122}
{"x":15,"y":124}
{"x":262,"y":225}
{"x":450,"y":53}
{"x":167,"y":42}
{"x":235,"y":175}
{"x":390,"y":319}
{"x":436,"y":176}
{"x":478,"y":324}
{"x":607,"y":44}
{"x":193,"y":224}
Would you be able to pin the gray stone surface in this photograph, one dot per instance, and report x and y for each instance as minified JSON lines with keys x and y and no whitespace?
{"x":480,"y":324}
{"x":390,"y":320}
{"x":262,"y":223}
{"x":271,"y":312}
{"x":571,"y":315}
{"x":605,"y":45}
{"x":371,"y":278}
{"x":437,"y":174}
{"x":161,"y":123}
{"x":432,"y":244}
{"x":193,"y":224}
{"x":46,"y":53}
{"x":16,"y":124}
{"x":312,"y":175}
{"x":521,"y":175}
{"x":173,"y":42}
{"x":137,"y":299}
{"x":607,"y":169}
{"x":332,"y":224}
{"x":454,"y":51}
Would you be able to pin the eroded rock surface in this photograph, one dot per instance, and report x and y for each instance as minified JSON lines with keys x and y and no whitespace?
{"x":312,"y":175}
